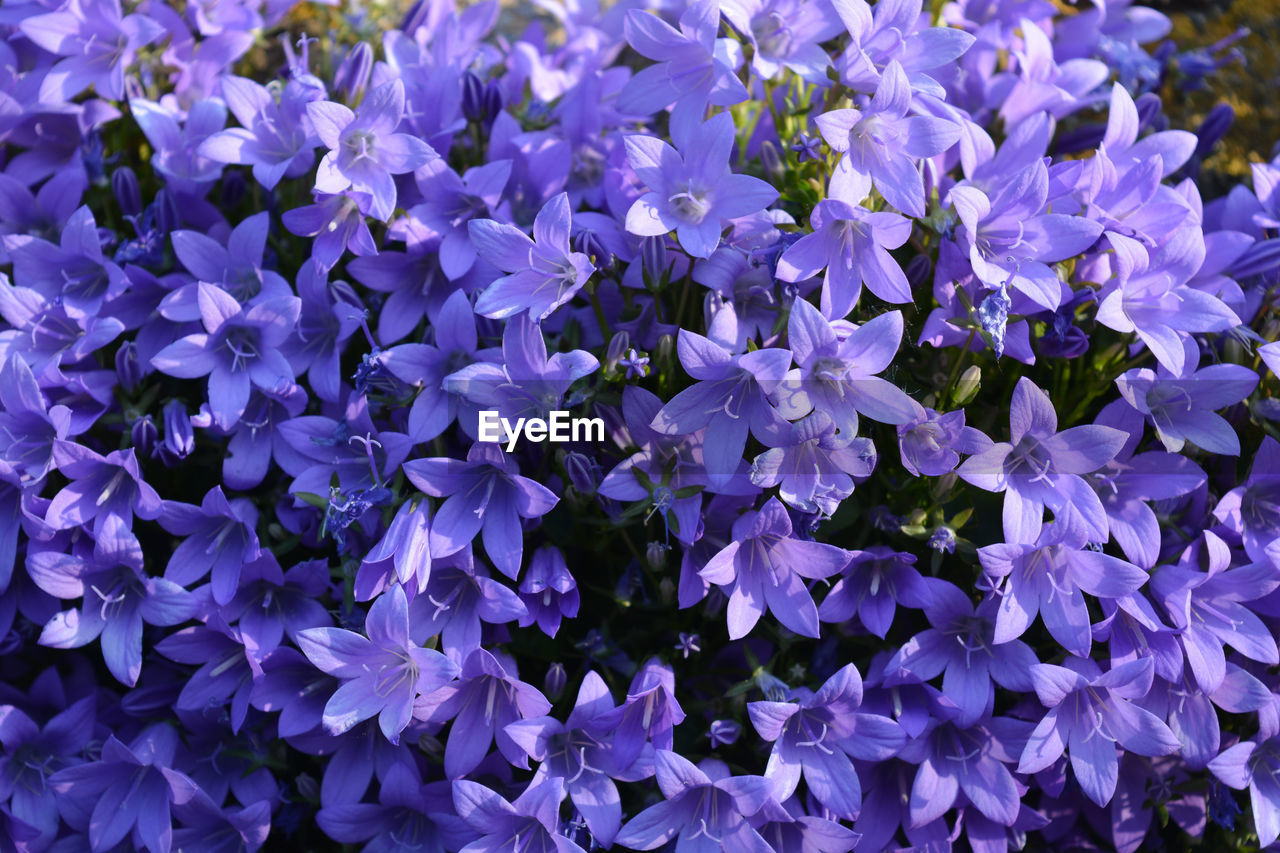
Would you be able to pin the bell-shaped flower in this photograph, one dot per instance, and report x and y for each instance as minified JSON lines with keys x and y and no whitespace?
{"x":487,"y":697}
{"x":692,"y":191}
{"x":881,"y":145}
{"x":838,"y":367}
{"x":543,"y":273}
{"x":1183,"y":408}
{"x":1050,"y":577}
{"x":1043,"y":467}
{"x":365,"y":150}
{"x":382,"y":674}
{"x":852,"y":244}
{"x":1091,"y":713}
{"x":815,"y":734}
{"x":765,"y":566}
{"x":700,"y":811}
{"x":238,"y":350}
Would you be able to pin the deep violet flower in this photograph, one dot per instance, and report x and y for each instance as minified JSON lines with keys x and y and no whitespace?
{"x":382,"y":673}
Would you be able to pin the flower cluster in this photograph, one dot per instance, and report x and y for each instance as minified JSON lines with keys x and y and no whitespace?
{"x":934,"y":494}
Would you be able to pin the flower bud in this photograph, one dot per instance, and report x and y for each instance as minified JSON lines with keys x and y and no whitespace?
{"x":1213,"y":128}
{"x":655,"y":553}
{"x":653,"y":256}
{"x":308,"y":787}
{"x":970,"y":382}
{"x":179,"y":438}
{"x":773,"y":165}
{"x":124,"y":186}
{"x":918,"y":271}
{"x":168,"y":217}
{"x":583,"y":472}
{"x":472,"y":96}
{"x":555,"y":682}
{"x":144,"y":435}
{"x":665,"y":351}
{"x":723,"y":732}
{"x":353,"y":74}
{"x":128,"y":367}
{"x":618,"y":346}
{"x":1148,"y":105}
{"x":233,"y":188}
{"x":493,"y":100}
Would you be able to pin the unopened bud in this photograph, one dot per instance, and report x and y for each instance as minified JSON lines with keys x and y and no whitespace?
{"x":493,"y":100}
{"x":472,"y":96}
{"x":653,"y":256}
{"x":179,"y":438}
{"x":233,"y":188}
{"x":583,"y":472}
{"x":1148,"y":106}
{"x":144,"y":435}
{"x":168,"y":217}
{"x":1213,"y":128}
{"x":555,"y":682}
{"x":655,"y":553}
{"x":773,"y":165}
{"x":353,"y":74}
{"x":970,"y":382}
{"x":919,"y":269}
{"x":618,"y":346}
{"x":124,"y":186}
{"x":128,"y":367}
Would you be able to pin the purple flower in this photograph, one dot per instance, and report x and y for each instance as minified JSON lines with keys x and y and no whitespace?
{"x":815,"y":468}
{"x":1011,"y":243}
{"x":382,"y":673}
{"x":931,"y":443}
{"x":129,"y":790}
{"x":543,"y":275}
{"x":1049,"y":577}
{"x":1090,"y":714}
{"x":31,"y":753}
{"x":1042,"y":467}
{"x":728,"y":400}
{"x":29,"y":425}
{"x":817,"y":733}
{"x":219,"y":538}
{"x":766,"y":567}
{"x":408,"y":814}
{"x":486,"y":495}
{"x":275,"y":136}
{"x":837,"y":370}
{"x":1252,"y":509}
{"x":842,"y":233}
{"x":533,"y":817}
{"x":102,"y":488}
{"x":75,"y":272}
{"x":1207,"y":608}
{"x":692,"y":191}
{"x":693,"y":67}
{"x":581,"y":759}
{"x":457,"y":600}
{"x":548,"y":591}
{"x":962,"y":647}
{"x":785,"y":34}
{"x":450,"y":202}
{"x":881,"y":145}
{"x":238,"y":350}
{"x":1255,"y":764}
{"x":1183,"y":408}
{"x":337,"y":224}
{"x":705,"y":812}
{"x":365,"y":151}
{"x":1150,"y":296}
{"x":117,"y":598}
{"x":874,"y":582}
{"x":649,"y":713}
{"x":96,"y":43}
{"x":486,"y":698}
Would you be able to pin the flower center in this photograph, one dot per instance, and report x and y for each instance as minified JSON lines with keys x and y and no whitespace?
{"x":690,"y":204}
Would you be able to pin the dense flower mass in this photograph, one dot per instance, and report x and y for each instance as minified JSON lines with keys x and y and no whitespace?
{"x":919,"y":479}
